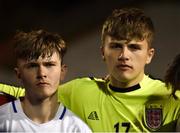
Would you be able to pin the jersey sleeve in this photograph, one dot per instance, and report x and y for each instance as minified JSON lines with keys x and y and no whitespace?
{"x":12,"y":90}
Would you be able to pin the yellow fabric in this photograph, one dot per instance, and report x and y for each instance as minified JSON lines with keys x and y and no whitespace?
{"x":107,"y":111}
{"x":12,"y":90}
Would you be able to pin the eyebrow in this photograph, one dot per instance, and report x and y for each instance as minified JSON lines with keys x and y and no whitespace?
{"x":122,"y":43}
{"x":35,"y":62}
{"x":118,"y":41}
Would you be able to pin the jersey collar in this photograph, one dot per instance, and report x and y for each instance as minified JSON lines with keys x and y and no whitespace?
{"x":129,"y":89}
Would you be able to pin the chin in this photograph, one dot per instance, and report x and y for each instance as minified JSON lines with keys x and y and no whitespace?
{"x":124,"y":77}
{"x":46,"y":94}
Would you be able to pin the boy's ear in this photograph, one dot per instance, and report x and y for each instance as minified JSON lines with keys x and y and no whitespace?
{"x":64,"y":69}
{"x":102,"y":53}
{"x":150,"y":55}
{"x":16,"y":69}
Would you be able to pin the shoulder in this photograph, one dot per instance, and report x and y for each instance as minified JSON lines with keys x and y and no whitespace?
{"x":85,"y":82}
{"x":67,"y":115}
{"x":71,"y":115}
{"x":155,"y":86}
{"x":5,"y":110}
{"x":151,"y":81}
{"x":74,"y":121}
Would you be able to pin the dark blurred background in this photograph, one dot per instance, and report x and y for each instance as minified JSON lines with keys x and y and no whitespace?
{"x":79,"y":22}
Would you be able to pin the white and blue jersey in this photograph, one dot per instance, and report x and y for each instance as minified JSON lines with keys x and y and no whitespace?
{"x":13,"y":119}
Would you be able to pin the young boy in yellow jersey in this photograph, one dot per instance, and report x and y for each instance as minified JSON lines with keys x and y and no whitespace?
{"x":130,"y":101}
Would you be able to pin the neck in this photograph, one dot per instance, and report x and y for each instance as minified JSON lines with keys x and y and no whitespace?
{"x":41,"y":111}
{"x":126,"y":83}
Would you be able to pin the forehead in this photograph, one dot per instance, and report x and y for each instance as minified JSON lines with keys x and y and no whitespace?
{"x":55,"y":57}
{"x":110,"y":40}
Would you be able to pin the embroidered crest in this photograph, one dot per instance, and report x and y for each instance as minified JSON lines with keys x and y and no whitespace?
{"x":153,"y":116}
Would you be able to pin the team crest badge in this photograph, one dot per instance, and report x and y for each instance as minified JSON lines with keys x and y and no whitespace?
{"x":153,"y":115}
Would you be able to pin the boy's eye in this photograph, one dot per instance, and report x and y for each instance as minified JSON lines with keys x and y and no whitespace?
{"x":134,"y":47}
{"x":116,"y":45}
{"x":49,"y":64}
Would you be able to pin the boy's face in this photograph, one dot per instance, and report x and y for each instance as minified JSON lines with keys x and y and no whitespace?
{"x":40,"y":77}
{"x":126,"y":60}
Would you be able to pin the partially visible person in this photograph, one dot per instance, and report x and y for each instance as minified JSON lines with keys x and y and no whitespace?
{"x":130,"y":101}
{"x":172,"y":77}
{"x":39,"y":57}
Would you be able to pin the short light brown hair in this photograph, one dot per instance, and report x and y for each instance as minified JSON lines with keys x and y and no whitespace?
{"x":128,"y":24}
{"x":37,"y":43}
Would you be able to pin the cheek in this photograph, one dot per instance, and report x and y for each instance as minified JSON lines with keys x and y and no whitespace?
{"x":109,"y":59}
{"x":141,"y":60}
{"x":27,"y":76}
{"x":55,"y":76}
{"x":28,"y":82}
{"x":110,"y":62}
{"x":110,"y":56}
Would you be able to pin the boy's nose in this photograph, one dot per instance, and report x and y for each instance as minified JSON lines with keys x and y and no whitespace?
{"x":41,"y":72}
{"x":124,"y":54}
